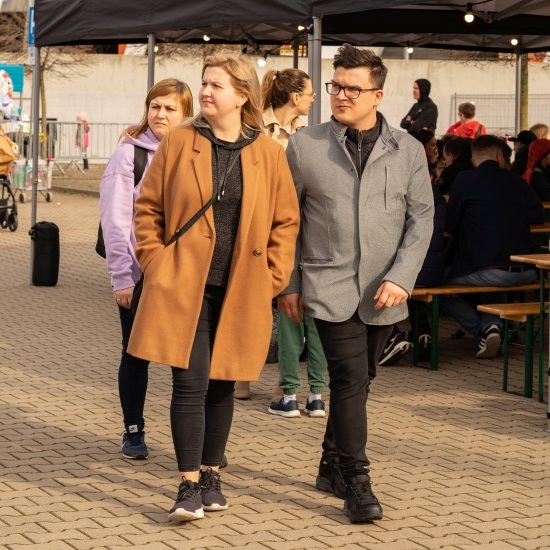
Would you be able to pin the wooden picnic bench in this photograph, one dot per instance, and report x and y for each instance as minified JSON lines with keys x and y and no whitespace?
{"x":430,"y":295}
{"x":523,"y":313}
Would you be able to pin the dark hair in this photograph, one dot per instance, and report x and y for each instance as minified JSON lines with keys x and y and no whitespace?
{"x":277,"y":86}
{"x":458,"y":145}
{"x":467,"y":109}
{"x":350,"y":57}
{"x":486,"y":144}
{"x":506,"y":152}
{"x":424,"y":136}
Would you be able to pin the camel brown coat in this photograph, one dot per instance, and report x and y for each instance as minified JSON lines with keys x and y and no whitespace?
{"x":177,"y":184}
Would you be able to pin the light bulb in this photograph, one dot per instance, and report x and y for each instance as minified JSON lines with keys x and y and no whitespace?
{"x":514,"y":41}
{"x":206,"y":37}
{"x":262,"y":62}
{"x":469,"y":15}
{"x":301,"y":28}
{"x":410,"y":49}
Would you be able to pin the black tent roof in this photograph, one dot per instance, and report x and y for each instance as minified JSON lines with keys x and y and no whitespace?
{"x":361,"y":22}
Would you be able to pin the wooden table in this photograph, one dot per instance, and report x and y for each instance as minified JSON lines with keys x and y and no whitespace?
{"x":540,"y":228}
{"x":541,"y":262}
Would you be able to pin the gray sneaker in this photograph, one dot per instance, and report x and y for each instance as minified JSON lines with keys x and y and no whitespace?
{"x":211,"y":492}
{"x":188,"y":504}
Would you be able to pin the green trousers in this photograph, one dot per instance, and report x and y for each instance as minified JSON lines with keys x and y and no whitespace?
{"x":292,"y":337}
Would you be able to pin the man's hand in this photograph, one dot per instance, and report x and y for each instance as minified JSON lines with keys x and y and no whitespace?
{"x":389,"y":295}
{"x":291,"y":305}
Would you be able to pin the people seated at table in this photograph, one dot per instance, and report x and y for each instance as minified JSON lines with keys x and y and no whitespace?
{"x":505,"y":158}
{"x":423,"y":114}
{"x":457,"y":154}
{"x":540,"y":130}
{"x":521,"y":150}
{"x":467,"y":126}
{"x":538,"y":168}
{"x":489,"y":214}
{"x":433,"y":268}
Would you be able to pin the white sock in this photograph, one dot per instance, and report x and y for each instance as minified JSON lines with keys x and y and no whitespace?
{"x":313,"y":396}
{"x":287,"y":398}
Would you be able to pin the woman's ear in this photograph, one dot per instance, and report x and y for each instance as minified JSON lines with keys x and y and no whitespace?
{"x":241,"y":100}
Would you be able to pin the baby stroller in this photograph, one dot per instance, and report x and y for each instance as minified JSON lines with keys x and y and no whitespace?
{"x":8,"y":205}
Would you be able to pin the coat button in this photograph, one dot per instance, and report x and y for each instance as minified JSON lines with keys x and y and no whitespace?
{"x":257,"y":252}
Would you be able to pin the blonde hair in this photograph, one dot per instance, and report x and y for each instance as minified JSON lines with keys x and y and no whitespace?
{"x":166,"y":87}
{"x":540,"y":130}
{"x":277,"y":86}
{"x":244,"y":80}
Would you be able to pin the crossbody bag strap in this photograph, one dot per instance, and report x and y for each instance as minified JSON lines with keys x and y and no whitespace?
{"x":183,"y":229}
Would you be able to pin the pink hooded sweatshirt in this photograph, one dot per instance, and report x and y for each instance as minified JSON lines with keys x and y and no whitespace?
{"x":117,"y":195}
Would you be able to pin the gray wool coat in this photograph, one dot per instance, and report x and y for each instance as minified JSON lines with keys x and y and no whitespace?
{"x":357,"y":233}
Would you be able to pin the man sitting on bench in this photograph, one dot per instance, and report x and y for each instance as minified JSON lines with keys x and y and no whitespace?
{"x":488,"y":216}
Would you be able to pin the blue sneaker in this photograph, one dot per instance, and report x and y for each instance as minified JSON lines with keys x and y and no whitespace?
{"x":133,"y":446}
{"x":316,"y":408}
{"x":288,"y":411}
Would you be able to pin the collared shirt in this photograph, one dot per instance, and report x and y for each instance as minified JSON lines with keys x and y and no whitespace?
{"x":272,"y":128}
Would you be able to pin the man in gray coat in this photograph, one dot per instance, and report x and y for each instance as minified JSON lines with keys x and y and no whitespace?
{"x":367,"y":217}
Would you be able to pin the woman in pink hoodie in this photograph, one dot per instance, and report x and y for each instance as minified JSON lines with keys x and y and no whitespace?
{"x":167,"y":104}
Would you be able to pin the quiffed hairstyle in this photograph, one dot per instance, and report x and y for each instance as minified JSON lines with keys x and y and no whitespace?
{"x":166,"y":87}
{"x":277,"y":86}
{"x":486,"y":145}
{"x":244,"y":80}
{"x":467,"y":109}
{"x":350,"y":57}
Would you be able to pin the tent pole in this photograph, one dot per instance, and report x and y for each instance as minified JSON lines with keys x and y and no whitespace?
{"x":295,"y":48}
{"x":314,"y":68}
{"x":35,"y":145}
{"x":151,"y":41}
{"x":518,"y":89}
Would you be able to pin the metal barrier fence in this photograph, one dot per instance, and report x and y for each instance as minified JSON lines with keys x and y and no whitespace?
{"x":68,"y":141}
{"x":497,"y":112}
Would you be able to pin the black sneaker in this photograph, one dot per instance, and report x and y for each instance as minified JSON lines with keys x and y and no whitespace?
{"x":288,"y":411}
{"x":224,"y":463}
{"x":396,"y":346}
{"x":211,"y":492}
{"x":424,"y":347}
{"x":133,"y":446}
{"x":188,"y":504}
{"x":330,"y":478}
{"x":489,"y":343}
{"x":360,"y":504}
{"x":316,"y":408}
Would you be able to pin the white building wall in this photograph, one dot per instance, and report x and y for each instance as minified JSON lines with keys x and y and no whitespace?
{"x":114,"y":88}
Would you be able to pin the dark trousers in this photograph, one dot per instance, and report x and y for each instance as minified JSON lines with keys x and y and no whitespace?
{"x":352,"y":349}
{"x":201,"y":411}
{"x":132,"y":377}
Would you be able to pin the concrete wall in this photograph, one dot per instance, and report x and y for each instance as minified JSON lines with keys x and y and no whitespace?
{"x":114,"y":88}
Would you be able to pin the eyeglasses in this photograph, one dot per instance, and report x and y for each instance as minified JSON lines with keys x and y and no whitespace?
{"x":311,"y":94}
{"x":351,"y":92}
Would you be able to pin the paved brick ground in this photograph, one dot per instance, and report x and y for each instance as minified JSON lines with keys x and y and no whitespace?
{"x":457,"y":464}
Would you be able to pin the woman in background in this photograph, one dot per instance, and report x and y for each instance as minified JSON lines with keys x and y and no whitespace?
{"x":166,"y":105}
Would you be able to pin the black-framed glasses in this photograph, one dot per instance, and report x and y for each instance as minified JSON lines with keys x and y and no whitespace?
{"x":351,"y":92}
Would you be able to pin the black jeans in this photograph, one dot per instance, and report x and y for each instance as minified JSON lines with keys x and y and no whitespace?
{"x":132,"y":377}
{"x":352,"y":350}
{"x":201,"y":411}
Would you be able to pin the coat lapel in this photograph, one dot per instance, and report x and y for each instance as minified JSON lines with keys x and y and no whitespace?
{"x":202,"y":164}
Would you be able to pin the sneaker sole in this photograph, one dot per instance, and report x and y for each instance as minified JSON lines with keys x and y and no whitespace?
{"x":315,"y":414}
{"x":140,"y":457}
{"x":362,"y":518}
{"x":492,"y":345}
{"x":215,"y":508}
{"x":286,"y":414}
{"x":186,"y":515}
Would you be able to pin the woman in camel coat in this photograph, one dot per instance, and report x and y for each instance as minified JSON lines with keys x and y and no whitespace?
{"x":206,"y":303}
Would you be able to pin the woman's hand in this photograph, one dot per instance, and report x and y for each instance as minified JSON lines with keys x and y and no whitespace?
{"x":123,"y":297}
